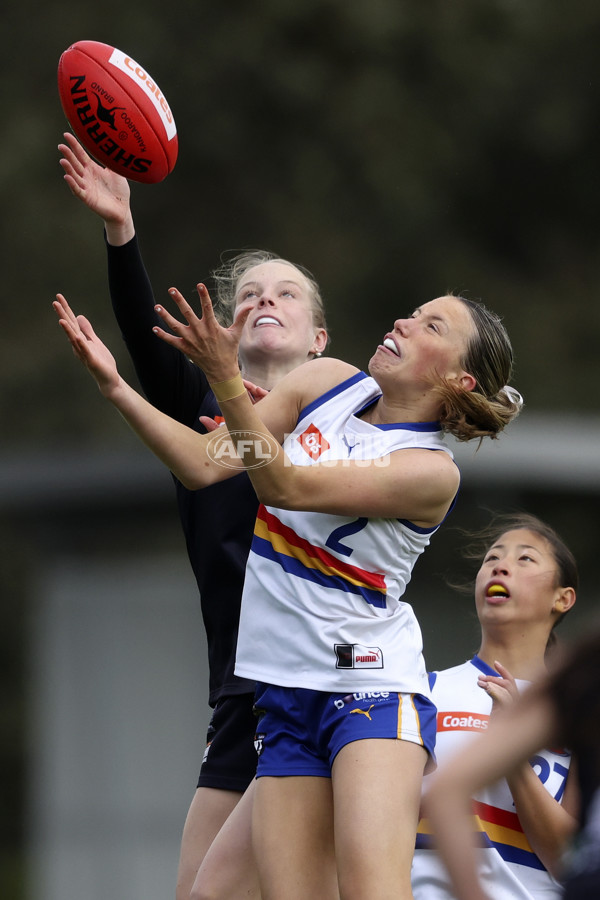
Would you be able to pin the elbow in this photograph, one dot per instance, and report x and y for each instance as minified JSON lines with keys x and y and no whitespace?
{"x":286,"y":488}
{"x":281,"y":496}
{"x":187,"y":481}
{"x":270,"y":496}
{"x":191,"y":480}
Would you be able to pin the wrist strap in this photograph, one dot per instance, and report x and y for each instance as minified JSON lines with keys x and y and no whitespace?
{"x":227,"y":390}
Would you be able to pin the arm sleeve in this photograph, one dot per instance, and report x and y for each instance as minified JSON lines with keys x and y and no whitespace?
{"x":168,"y":379}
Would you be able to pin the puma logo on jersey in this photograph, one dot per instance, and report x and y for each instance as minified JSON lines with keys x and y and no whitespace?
{"x":364,"y":712}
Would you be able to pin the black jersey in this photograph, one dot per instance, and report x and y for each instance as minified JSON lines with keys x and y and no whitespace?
{"x":217,"y":521}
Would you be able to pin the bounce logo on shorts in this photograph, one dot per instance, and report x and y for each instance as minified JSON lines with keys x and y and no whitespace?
{"x":254,"y":448}
{"x":359,"y":696}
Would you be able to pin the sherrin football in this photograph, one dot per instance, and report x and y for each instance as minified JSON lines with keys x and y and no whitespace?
{"x":117,"y":111}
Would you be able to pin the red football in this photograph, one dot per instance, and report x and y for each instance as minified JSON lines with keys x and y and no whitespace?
{"x":117,"y":111}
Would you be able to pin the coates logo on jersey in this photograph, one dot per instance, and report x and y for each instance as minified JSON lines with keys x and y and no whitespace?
{"x":357,"y":656}
{"x":313,"y":442}
{"x":461,"y":721}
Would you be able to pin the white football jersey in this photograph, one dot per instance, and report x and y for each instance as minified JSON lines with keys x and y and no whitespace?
{"x":322,"y":605}
{"x":508,"y":867}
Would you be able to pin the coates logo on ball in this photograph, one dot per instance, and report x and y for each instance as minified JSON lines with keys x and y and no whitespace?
{"x":117,"y":111}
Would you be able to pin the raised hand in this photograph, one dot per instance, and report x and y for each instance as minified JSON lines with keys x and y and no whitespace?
{"x":87,"y":347}
{"x":105,"y":192}
{"x":204,"y":340}
{"x":502,"y":689}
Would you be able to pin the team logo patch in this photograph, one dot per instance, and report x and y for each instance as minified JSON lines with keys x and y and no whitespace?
{"x":313,"y":442}
{"x":259,"y":743}
{"x":357,"y":656}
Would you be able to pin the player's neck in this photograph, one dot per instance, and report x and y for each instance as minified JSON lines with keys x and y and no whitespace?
{"x":385,"y":412}
{"x":267,"y":373}
{"x":523,"y":656}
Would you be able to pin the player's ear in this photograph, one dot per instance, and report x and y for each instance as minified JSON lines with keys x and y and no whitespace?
{"x":467,"y":382}
{"x":565,"y":600}
{"x":320,"y":341}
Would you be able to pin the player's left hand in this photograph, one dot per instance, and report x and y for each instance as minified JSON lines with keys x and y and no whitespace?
{"x":204,"y":340}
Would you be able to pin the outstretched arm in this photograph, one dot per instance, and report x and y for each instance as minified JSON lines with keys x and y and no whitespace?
{"x":414,"y":484}
{"x":167,"y":378}
{"x":181,"y":449}
{"x":103,"y":191}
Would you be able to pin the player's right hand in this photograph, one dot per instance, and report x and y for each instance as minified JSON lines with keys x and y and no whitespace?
{"x":87,"y":347}
{"x":103,"y":191}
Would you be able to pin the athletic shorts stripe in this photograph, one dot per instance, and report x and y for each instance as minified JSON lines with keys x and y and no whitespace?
{"x":409,"y":722}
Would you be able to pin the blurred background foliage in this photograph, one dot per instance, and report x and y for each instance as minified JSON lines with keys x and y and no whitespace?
{"x":397,"y":149}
